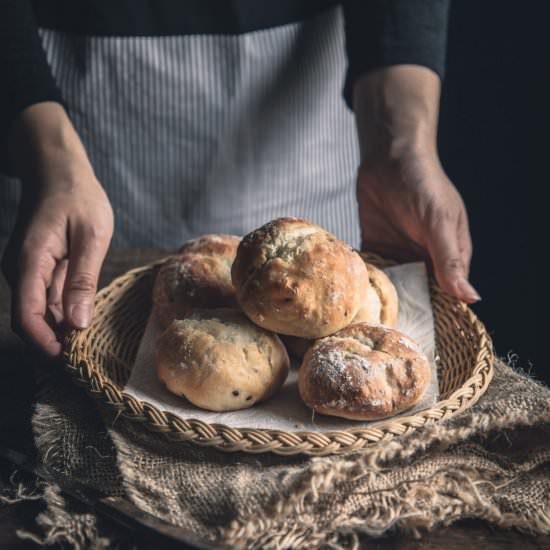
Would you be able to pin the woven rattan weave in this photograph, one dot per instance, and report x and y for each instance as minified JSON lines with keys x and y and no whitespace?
{"x":100,"y":358}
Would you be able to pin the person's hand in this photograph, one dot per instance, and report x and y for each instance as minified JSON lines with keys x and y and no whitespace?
{"x":409,"y":210}
{"x":63,"y":229}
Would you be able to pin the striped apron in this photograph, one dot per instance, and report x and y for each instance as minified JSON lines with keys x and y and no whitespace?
{"x":211,"y":133}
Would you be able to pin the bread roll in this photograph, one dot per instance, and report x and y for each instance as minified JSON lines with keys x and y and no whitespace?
{"x":380,"y":307}
{"x":363,"y":372}
{"x":198,"y":277}
{"x":213,"y":244}
{"x":381,"y":303}
{"x":220,"y":361}
{"x":295,"y":278}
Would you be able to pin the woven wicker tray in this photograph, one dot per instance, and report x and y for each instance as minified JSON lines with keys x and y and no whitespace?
{"x":100,"y":359}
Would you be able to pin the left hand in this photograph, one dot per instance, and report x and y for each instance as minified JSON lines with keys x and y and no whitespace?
{"x":409,"y":210}
{"x":408,"y":207}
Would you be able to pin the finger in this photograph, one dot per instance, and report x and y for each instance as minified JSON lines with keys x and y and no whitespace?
{"x":382,"y":238}
{"x":409,"y":252}
{"x":29,"y":304}
{"x":55,"y":292}
{"x":87,"y":251}
{"x":448,"y":261}
{"x":465,"y":242}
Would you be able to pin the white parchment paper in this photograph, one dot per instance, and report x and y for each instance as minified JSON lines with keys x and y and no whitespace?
{"x":285,"y":410}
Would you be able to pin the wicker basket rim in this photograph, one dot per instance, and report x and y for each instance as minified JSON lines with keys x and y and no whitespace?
{"x":256,"y":440}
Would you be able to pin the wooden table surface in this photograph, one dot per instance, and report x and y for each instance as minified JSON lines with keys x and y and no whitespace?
{"x":15,"y":408}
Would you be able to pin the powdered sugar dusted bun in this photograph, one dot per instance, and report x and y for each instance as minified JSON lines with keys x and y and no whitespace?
{"x":295,"y":278}
{"x":363,"y":372}
{"x":220,"y":361}
{"x":381,"y":303}
{"x":199,"y":277}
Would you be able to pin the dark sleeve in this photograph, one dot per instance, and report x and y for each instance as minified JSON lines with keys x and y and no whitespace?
{"x":25,"y":76}
{"x":380,"y":33}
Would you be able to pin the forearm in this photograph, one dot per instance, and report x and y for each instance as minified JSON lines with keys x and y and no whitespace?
{"x":396,"y":111}
{"x":43,"y":134}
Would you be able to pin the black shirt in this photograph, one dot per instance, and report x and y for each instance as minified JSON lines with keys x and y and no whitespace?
{"x":378,"y":33}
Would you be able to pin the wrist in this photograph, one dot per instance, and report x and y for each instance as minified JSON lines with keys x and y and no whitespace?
{"x":42,"y":135}
{"x":401,"y":151}
{"x":396,"y":112}
{"x":410,"y":165}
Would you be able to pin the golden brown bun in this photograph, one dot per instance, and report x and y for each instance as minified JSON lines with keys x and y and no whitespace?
{"x":363,"y":372}
{"x":199,"y":277}
{"x":380,"y":307}
{"x":295,"y":278}
{"x":220,"y":361}
{"x":381,"y":304}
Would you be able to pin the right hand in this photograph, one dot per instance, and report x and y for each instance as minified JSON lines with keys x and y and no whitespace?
{"x":63,"y":229}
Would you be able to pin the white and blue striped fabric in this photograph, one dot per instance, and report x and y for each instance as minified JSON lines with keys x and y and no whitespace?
{"x":212,"y":133}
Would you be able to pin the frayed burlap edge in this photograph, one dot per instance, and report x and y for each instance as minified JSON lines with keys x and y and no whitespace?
{"x":413,"y":508}
{"x":56,"y":524}
{"x":17,"y":491}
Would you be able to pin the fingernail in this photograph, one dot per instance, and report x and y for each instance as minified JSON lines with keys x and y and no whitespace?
{"x":81,"y":315}
{"x":468,"y":290}
{"x":57,"y":312}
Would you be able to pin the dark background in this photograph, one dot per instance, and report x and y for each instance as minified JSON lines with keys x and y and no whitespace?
{"x":491,"y":107}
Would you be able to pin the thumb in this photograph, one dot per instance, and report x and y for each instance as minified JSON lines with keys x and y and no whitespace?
{"x":448,"y":262}
{"x":86,"y":255}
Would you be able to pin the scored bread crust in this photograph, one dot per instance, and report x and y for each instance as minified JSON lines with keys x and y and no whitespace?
{"x":198,"y":277}
{"x":220,"y":361}
{"x":295,"y":278}
{"x":363,"y":372}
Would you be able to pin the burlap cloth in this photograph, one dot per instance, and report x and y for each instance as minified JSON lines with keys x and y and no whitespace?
{"x":490,"y":462}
